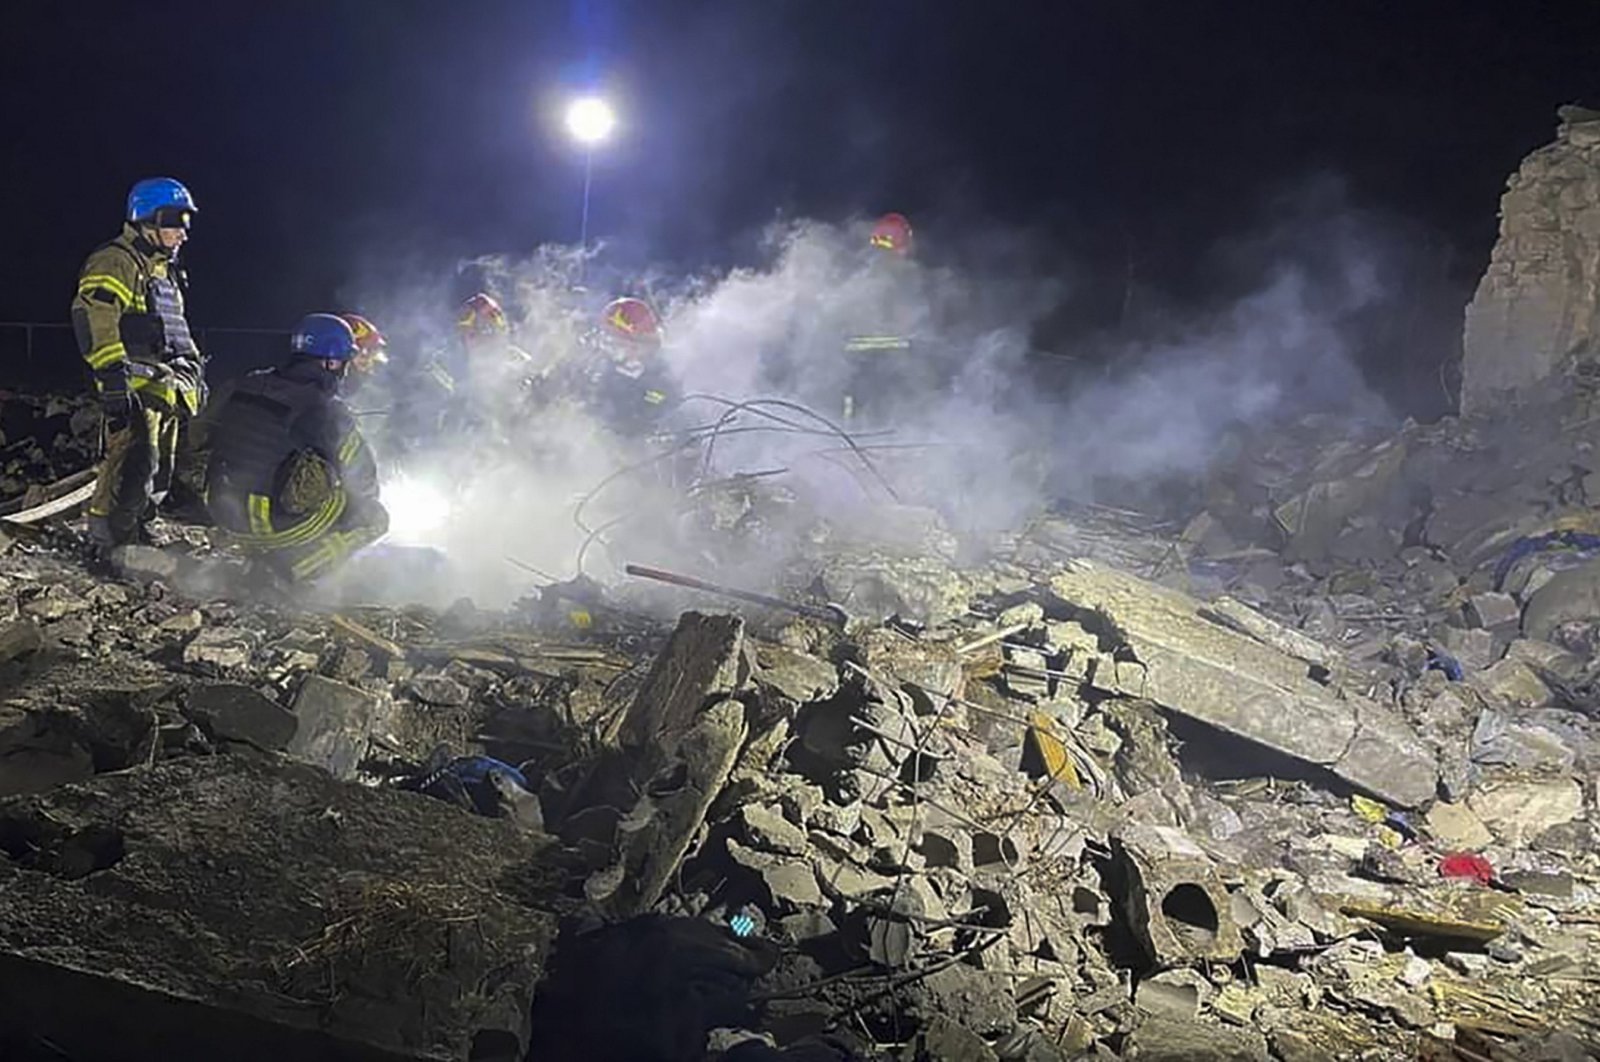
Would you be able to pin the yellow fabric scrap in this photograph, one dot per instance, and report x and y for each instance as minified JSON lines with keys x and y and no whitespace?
{"x":1052,"y":751}
{"x":1369,"y":810}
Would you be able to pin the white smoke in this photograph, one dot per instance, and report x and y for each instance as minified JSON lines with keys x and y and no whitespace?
{"x":962,"y":424}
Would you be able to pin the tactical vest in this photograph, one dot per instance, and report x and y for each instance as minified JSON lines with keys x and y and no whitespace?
{"x":172,"y":338}
{"x":155,"y":329}
{"x":256,"y":437}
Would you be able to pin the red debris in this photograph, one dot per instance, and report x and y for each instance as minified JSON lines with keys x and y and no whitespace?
{"x":1467,"y":865}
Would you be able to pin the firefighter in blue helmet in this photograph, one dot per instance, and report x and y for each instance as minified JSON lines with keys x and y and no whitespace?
{"x":289,"y":472}
{"x":128,"y":317}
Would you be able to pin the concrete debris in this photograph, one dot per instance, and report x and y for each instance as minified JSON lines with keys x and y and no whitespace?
{"x":1457,"y":826}
{"x":790,"y":883}
{"x":19,"y":638}
{"x":333,"y":723}
{"x":437,"y":689}
{"x":1472,"y":647}
{"x":1089,"y":797}
{"x":1532,"y":320}
{"x":1175,"y":901}
{"x":325,"y":918}
{"x":1172,"y":1040}
{"x":1345,"y":484}
{"x":38,"y":752}
{"x":659,"y":829}
{"x":231,"y":712}
{"x":1164,"y":649}
{"x":703,"y":661}
{"x":1515,"y":682}
{"x":1518,"y":811}
{"x":1565,"y":597}
{"x":1493,"y":611}
{"x":220,"y":650}
{"x":768,"y":830}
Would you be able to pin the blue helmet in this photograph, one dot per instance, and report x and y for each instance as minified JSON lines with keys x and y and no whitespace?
{"x":323,"y":335}
{"x":153,"y":193}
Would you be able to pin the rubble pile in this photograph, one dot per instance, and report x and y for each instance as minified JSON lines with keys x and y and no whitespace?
{"x":1092,"y":815}
{"x":1304,"y":772}
{"x":43,"y":439}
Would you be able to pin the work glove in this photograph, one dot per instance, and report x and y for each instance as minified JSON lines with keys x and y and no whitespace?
{"x":189,"y":377}
{"x":117,"y":400}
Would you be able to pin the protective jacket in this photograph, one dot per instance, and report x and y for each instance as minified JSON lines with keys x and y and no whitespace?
{"x":128,"y":316}
{"x":289,"y":470}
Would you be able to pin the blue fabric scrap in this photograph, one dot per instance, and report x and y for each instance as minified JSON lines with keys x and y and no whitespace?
{"x":1439,"y":660}
{"x":1528,"y":545}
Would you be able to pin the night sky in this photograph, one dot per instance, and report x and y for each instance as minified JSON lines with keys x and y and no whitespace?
{"x":330,"y":143}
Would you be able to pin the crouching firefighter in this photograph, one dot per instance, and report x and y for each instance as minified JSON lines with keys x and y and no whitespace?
{"x":128,"y":318}
{"x":289,"y":473}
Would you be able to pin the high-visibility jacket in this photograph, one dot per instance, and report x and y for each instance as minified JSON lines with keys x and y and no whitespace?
{"x":286,"y":457}
{"x":128,"y":317}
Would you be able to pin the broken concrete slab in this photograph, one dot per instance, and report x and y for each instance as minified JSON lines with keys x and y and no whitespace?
{"x":790,"y":882}
{"x":262,"y":910}
{"x":1246,"y":620}
{"x":1519,"y":810}
{"x":1458,"y":827}
{"x":702,"y":662}
{"x":56,"y":602}
{"x":795,"y":676}
{"x":1345,"y":485}
{"x":1493,"y":611}
{"x":1500,"y":741}
{"x":1473,"y":647}
{"x":1546,"y":658}
{"x":1514,"y":682}
{"x":1159,"y":1039}
{"x":234,"y":712}
{"x":655,"y":834}
{"x":221,"y":650}
{"x":145,"y":563}
{"x":946,"y":1041}
{"x":1174,"y":900}
{"x":1203,"y":671}
{"x":876,"y":584}
{"x":927,"y":671}
{"x":1570,"y":595}
{"x":333,"y":724}
{"x":438,"y":690}
{"x":766,"y":829}
{"x":980,"y":1000}
{"x":19,"y":638}
{"x":61,"y":741}
{"x":38,"y":752}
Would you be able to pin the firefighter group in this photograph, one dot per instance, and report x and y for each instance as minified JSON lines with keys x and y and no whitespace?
{"x":278,"y":461}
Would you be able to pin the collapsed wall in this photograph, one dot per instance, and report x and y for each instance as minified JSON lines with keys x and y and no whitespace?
{"x":1534,"y":322}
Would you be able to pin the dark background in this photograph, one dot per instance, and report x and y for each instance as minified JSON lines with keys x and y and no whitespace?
{"x":336,"y":145}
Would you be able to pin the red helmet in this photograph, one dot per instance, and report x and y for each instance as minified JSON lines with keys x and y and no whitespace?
{"x":633,"y":321}
{"x":370,"y":345}
{"x":892,"y":233}
{"x":481,"y":315}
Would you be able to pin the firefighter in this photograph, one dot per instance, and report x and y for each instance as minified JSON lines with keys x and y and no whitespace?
{"x":625,"y":381}
{"x":471,"y":385}
{"x":290,"y":474}
{"x":189,"y":479}
{"x":372,"y":351}
{"x":878,"y":348}
{"x":128,"y":318}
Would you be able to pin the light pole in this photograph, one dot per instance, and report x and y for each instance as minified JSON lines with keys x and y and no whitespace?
{"x":590,"y":121}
